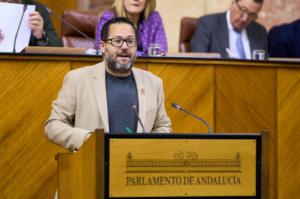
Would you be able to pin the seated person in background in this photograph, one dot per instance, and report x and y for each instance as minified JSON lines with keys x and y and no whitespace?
{"x":233,"y":33}
{"x":284,"y":40}
{"x":110,"y":94}
{"x":147,"y":21}
{"x":43,"y":33}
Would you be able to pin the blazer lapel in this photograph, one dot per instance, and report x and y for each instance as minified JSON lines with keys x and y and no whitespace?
{"x":222,"y":34}
{"x":100,"y":93}
{"x":141,"y":90}
{"x":251,"y":38}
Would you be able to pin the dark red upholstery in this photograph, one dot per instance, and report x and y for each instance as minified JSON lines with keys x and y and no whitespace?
{"x":86,"y":22}
{"x":187,"y":28}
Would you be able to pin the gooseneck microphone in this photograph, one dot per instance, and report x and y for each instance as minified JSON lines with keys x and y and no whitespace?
{"x":176,"y":106}
{"x":71,"y":26}
{"x":134,"y":109}
{"x":17,"y":33}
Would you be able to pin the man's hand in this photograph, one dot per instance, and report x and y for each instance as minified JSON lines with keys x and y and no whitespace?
{"x":36,"y":24}
{"x":1,"y":36}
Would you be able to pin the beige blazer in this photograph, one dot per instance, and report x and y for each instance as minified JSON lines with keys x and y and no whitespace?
{"x":81,"y":106}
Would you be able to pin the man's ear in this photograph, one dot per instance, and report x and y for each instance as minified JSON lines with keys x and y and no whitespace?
{"x":102,"y":46}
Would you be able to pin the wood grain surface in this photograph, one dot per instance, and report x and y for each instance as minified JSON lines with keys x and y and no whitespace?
{"x":233,"y":96}
{"x":288,"y":139}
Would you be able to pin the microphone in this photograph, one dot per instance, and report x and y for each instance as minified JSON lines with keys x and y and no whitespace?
{"x":176,"y":106}
{"x":134,"y":109}
{"x":70,"y":25}
{"x":17,"y":33}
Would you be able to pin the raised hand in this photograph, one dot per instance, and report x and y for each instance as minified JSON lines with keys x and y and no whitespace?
{"x":36,"y":24}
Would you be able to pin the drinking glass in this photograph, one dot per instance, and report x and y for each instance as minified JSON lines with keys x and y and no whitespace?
{"x":154,"y":50}
{"x":258,"y":55}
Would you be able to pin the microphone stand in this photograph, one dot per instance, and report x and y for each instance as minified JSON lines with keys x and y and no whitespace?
{"x":176,"y":106}
{"x":17,"y":33}
{"x":134,"y":109}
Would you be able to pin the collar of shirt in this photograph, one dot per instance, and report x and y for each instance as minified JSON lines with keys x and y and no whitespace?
{"x":232,"y":38}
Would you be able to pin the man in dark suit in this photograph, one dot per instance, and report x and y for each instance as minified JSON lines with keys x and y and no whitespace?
{"x":284,"y":40}
{"x":43,"y":32}
{"x":233,"y":33}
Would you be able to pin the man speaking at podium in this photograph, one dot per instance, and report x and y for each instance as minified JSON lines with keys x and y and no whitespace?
{"x":111,"y":95}
{"x":43,"y":32}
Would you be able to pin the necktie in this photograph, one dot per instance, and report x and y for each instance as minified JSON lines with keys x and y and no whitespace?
{"x":240,"y":46}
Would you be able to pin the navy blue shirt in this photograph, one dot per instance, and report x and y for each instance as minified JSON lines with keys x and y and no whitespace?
{"x":121,"y":97}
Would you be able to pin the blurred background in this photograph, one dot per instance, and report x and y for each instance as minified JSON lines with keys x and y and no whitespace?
{"x":274,"y":12}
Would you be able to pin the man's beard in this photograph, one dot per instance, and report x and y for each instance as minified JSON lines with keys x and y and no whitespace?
{"x":116,"y":67}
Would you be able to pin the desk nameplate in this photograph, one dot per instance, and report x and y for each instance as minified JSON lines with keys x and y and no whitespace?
{"x":182,"y":167}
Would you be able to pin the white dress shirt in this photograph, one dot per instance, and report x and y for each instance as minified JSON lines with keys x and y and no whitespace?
{"x":232,"y":51}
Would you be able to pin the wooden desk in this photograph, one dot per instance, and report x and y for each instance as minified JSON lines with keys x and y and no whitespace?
{"x":232,"y":95}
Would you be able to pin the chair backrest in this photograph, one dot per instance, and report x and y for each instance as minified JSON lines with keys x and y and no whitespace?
{"x":83,"y":21}
{"x":86,"y":22}
{"x":187,"y":28}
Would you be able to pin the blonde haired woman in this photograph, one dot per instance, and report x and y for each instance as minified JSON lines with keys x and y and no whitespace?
{"x":142,"y":14}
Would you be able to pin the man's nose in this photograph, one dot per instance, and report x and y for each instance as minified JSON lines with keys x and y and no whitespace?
{"x":245,"y":17}
{"x":124,"y":45}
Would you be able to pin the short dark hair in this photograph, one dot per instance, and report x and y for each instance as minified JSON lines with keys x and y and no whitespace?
{"x":116,"y":20}
{"x":257,"y":1}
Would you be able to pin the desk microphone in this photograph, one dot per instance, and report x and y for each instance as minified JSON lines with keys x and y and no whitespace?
{"x":69,"y":25}
{"x":134,"y":109}
{"x":176,"y":106}
{"x":20,"y":22}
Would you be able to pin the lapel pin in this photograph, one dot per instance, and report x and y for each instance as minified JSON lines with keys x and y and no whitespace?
{"x":142,"y":91}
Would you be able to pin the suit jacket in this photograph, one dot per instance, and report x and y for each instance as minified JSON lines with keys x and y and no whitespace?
{"x":81,"y":106}
{"x":53,"y":39}
{"x":211,"y":35}
{"x":284,"y":40}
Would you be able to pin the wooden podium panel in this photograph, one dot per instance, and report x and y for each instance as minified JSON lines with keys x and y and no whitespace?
{"x":80,"y":174}
{"x":163,"y":166}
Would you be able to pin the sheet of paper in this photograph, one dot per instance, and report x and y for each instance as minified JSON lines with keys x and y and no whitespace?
{"x":10,"y":17}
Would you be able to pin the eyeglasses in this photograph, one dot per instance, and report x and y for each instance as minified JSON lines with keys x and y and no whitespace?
{"x":118,"y":42}
{"x":244,"y":11}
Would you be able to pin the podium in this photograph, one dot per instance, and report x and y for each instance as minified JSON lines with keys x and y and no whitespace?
{"x":163,"y":166}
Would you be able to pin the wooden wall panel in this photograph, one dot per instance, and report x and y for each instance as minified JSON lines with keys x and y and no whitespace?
{"x":245,"y":99}
{"x":80,"y":64}
{"x":246,"y":102}
{"x":27,"y":166}
{"x":191,"y":87}
{"x":288,"y":133}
